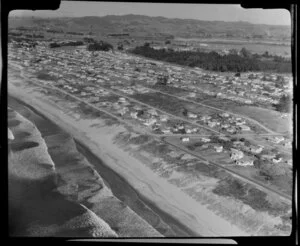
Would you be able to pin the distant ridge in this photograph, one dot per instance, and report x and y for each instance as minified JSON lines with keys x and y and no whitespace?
{"x":141,"y":25}
{"x":146,"y":16}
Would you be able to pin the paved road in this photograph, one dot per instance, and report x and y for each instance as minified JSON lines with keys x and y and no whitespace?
{"x":284,"y":196}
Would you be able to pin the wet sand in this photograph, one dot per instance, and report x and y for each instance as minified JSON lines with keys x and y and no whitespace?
{"x":120,"y":188}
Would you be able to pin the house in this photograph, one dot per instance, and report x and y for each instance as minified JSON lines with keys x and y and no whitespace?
{"x":188,"y":131}
{"x":212,"y":124}
{"x":133,"y":115}
{"x":236,"y":154}
{"x":225,"y":126}
{"x":245,"y":163}
{"x":224,"y":115}
{"x":268,"y":157}
{"x":288,"y":144}
{"x":245,"y":128}
{"x":166,"y":131}
{"x":149,"y":122}
{"x":224,"y":138}
{"x":256,"y":149}
{"x":123,"y":111}
{"x":205,"y":117}
{"x":194,"y":129}
{"x":185,"y":139}
{"x":192,"y":115}
{"x":231,"y":130}
{"x":238,"y":143}
{"x":218,"y":148}
{"x":122,"y":99}
{"x":180,"y":127}
{"x":192,"y":94}
{"x":163,"y":118}
{"x":205,"y":140}
{"x":240,"y":123}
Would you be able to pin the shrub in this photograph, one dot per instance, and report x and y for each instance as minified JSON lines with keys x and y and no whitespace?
{"x":99,"y":46}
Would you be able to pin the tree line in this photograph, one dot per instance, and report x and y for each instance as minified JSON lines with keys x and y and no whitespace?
{"x":213,"y":61}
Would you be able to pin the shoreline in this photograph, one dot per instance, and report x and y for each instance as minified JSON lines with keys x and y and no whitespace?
{"x":105,"y":172}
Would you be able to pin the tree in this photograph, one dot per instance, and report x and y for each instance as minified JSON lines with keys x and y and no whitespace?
{"x":270,"y":171}
{"x":285,"y":103}
{"x":233,"y":52}
{"x":168,"y":42}
{"x":54,"y":45}
{"x":245,"y":53}
{"x":266,"y":54}
{"x":162,"y":79}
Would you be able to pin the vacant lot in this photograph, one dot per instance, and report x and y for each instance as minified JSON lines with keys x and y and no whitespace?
{"x":170,"y":104}
{"x":267,"y":117}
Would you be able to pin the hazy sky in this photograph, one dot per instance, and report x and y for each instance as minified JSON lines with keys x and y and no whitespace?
{"x":184,"y":11}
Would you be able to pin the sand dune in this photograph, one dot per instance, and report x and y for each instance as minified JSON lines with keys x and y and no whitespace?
{"x":81,"y":182}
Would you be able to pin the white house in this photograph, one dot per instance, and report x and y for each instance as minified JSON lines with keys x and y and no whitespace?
{"x":256,"y":150}
{"x":149,"y":122}
{"x":218,"y":148}
{"x":122,"y":99}
{"x":245,"y":163}
{"x":185,"y":139}
{"x":205,"y":117}
{"x":192,"y":115}
{"x":245,"y":128}
{"x":188,"y":131}
{"x":166,"y":131}
{"x":212,"y":124}
{"x":133,"y":115}
{"x":205,"y":140}
{"x":224,"y":115}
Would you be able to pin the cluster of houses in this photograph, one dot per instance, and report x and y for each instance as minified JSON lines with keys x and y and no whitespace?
{"x":240,"y":153}
{"x":74,"y":67}
{"x":226,"y":123}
